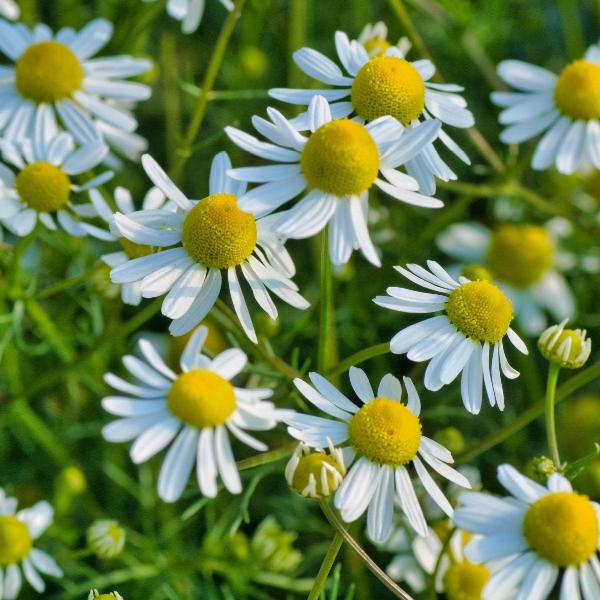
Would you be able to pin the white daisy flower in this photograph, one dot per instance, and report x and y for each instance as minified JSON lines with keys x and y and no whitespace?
{"x":377,"y":86}
{"x":190,"y":12}
{"x":334,"y":167}
{"x":18,"y":532}
{"x":195,"y":409}
{"x":154,"y":199}
{"x":386,"y":436}
{"x":56,"y":75}
{"x":475,"y":317}
{"x":9,"y":9}
{"x":541,"y":532}
{"x":566,"y":108}
{"x":40,"y":187}
{"x":205,"y":237}
{"x":374,"y":39}
{"x":523,"y":260}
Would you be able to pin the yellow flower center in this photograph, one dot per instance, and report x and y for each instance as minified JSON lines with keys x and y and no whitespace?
{"x":201,"y":398}
{"x":43,"y":186}
{"x":376,"y":47}
{"x":313,"y":464}
{"x":562,"y":527}
{"x":217,"y":234}
{"x":15,"y":541}
{"x":476,"y":272}
{"x":105,"y":597}
{"x":388,"y":85}
{"x":577,"y":91}
{"x":48,"y":71}
{"x":385,"y":432}
{"x":480,"y":311}
{"x":134,"y":250}
{"x":554,"y":351}
{"x":340,"y":158}
{"x":520,"y":254}
{"x":465,"y":581}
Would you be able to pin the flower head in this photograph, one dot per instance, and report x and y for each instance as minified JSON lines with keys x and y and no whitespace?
{"x":204,"y":238}
{"x":94,"y":595}
{"x":39,"y":186}
{"x":379,"y":81}
{"x":18,"y":555}
{"x":193,"y":410}
{"x":336,"y":166}
{"x":564,"y":107}
{"x":386,"y":437}
{"x":55,"y":81}
{"x":475,"y":317}
{"x":106,"y":538}
{"x":569,"y":348}
{"x":536,"y":533}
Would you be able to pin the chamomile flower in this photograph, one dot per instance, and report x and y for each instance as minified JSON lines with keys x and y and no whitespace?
{"x":196,"y":409}
{"x":18,"y":557}
{"x":9,"y":9}
{"x":475,"y":317}
{"x":564,"y":107}
{"x":56,"y":75}
{"x":374,"y":39}
{"x":40,"y":186}
{"x":541,"y":532}
{"x":523,"y":260}
{"x":334,"y":168}
{"x":190,"y":12}
{"x":386,"y":437}
{"x":203,"y":238}
{"x":376,"y":86}
{"x":106,"y":539}
{"x":154,"y":199}
{"x":95,"y":595}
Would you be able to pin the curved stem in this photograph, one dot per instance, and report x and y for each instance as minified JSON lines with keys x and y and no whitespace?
{"x":360,"y":357}
{"x":209,"y":80}
{"x":326,"y":565}
{"x":326,"y":331}
{"x":369,"y":562}
{"x":553,"y":372}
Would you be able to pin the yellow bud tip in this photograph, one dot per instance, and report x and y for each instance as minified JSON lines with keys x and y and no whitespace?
{"x":43,"y":186}
{"x":388,"y":85}
{"x":568,"y":348}
{"x":201,"y":398}
{"x":48,"y":71}
{"x":15,"y":541}
{"x":340,"y":158}
{"x":577,"y":91}
{"x":376,"y":47}
{"x":476,"y":273}
{"x":562,"y":527}
{"x":465,"y":581}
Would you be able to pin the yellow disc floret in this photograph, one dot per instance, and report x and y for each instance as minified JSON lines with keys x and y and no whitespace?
{"x":385,"y":432}
{"x":465,"y":581}
{"x":376,"y":47}
{"x":340,"y":158}
{"x":520,"y":254}
{"x":388,"y":85}
{"x":201,"y":398}
{"x":562,"y":527}
{"x":311,"y":470}
{"x":577,"y":91}
{"x":134,"y":250}
{"x":48,"y":71}
{"x":217,"y":234}
{"x":43,"y":186}
{"x":480,"y":311}
{"x":15,"y":541}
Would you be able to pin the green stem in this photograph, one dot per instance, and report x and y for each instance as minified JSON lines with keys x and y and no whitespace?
{"x":66,"y":284}
{"x":553,"y":372}
{"x":49,"y":331}
{"x":210,"y":76}
{"x":326,"y":326}
{"x":571,"y":28}
{"x":564,"y":391}
{"x":360,"y":357}
{"x":369,"y":562}
{"x":265,"y":457}
{"x":168,"y":60}
{"x":438,"y":563}
{"x":326,"y":565}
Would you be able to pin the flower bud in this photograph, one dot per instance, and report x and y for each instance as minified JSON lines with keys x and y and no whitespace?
{"x":476,"y":273}
{"x":106,"y":538}
{"x":94,"y":595}
{"x":569,"y":348}
{"x":540,"y":468}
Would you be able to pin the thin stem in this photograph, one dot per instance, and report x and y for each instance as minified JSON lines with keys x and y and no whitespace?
{"x":168,"y":60}
{"x":438,"y":563}
{"x":265,"y":457}
{"x":564,"y":391}
{"x":571,"y":28}
{"x":360,"y":357}
{"x":326,"y":326}
{"x":326,"y":565}
{"x":49,"y":331}
{"x":369,"y":562}
{"x":66,"y":284}
{"x":553,"y":372}
{"x":210,"y":76}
